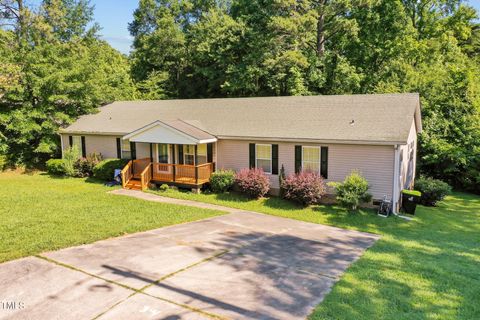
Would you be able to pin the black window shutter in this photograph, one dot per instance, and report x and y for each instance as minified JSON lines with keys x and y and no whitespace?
{"x":172,"y":150}
{"x":298,"y":159}
{"x":70,"y":141}
{"x":324,"y":163}
{"x":151,"y":152}
{"x":210,"y":152}
{"x":119,"y":148}
{"x":180,"y":153}
{"x":274,"y":158}
{"x":252,"y":155}
{"x":84,"y":148}
{"x":133,"y":150}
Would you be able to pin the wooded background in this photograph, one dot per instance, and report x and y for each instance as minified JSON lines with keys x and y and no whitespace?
{"x":54,"y":67}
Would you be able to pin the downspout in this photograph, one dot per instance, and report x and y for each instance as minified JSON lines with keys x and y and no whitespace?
{"x":395,"y":196}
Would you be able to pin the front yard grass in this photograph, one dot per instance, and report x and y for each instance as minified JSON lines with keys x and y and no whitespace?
{"x":427,"y":268}
{"x":40,"y":213}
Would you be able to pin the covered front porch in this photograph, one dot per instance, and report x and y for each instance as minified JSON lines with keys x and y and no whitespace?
{"x":172,"y":152}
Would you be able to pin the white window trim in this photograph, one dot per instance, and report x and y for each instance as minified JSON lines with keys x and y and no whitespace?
{"x":319,"y":157}
{"x":271,"y":156}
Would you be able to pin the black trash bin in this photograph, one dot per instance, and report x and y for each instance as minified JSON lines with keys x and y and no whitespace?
{"x":410,"y":199}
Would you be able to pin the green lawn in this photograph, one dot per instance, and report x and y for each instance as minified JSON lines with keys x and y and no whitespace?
{"x":428,"y":268}
{"x":40,"y":213}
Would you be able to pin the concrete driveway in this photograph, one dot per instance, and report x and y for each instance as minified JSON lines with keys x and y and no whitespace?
{"x":242,"y":265}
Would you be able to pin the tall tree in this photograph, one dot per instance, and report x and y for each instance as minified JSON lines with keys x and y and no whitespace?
{"x":57,"y":69}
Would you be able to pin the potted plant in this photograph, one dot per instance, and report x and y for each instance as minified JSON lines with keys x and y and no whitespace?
{"x":410,"y":199}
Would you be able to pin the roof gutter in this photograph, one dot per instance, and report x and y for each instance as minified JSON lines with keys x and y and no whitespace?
{"x":250,"y":138}
{"x":310,"y":140}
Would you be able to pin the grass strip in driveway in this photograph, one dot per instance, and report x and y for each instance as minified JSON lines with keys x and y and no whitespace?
{"x":423,"y":269}
{"x":41,"y":213}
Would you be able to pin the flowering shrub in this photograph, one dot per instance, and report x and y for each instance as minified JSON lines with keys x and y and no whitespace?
{"x":253,"y":182}
{"x":84,"y":166}
{"x":304,"y":187}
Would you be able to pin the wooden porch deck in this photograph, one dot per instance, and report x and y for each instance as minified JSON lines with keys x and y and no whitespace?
{"x":138,"y":174}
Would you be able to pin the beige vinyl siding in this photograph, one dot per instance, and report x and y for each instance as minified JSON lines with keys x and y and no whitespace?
{"x":106,"y":145}
{"x":375,"y":162}
{"x":142,"y":150}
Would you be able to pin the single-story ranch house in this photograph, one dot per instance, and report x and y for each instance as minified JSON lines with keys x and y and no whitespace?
{"x":183,"y":141}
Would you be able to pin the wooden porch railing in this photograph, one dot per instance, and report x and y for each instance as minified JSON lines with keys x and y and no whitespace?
{"x":182,"y":173}
{"x":146,"y":171}
{"x":146,"y":176}
{"x":127,"y":173}
{"x":139,"y":166}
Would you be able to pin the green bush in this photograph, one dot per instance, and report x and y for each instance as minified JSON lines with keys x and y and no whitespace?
{"x":55,"y":166}
{"x":3,"y":162}
{"x":70,"y":158}
{"x":164,"y":187}
{"x":105,"y":169}
{"x":432,"y":190}
{"x":352,"y":191}
{"x":222,"y":181}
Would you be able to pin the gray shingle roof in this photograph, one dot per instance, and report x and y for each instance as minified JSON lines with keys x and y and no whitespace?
{"x":376,"y":118}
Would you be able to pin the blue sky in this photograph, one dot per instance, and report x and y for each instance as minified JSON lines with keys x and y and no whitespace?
{"x":114,"y":16}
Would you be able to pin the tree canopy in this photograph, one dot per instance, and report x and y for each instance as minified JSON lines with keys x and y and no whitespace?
{"x":54,"y":68}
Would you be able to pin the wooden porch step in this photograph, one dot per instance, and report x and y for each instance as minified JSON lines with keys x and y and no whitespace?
{"x":134,"y":184}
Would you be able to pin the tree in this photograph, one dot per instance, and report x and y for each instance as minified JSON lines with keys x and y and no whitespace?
{"x":57,"y":69}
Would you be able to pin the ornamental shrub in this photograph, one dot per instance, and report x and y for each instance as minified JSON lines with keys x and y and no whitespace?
{"x":221,"y":181}
{"x":432,"y":190}
{"x":55,"y":166}
{"x":253,"y":182}
{"x":84,"y":166}
{"x":3,"y":162}
{"x":352,"y":191}
{"x":164,"y":187}
{"x":305,"y":187}
{"x":105,"y":169}
{"x":70,"y":158}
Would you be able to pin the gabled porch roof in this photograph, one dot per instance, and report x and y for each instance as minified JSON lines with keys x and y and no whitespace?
{"x":171,"y":132}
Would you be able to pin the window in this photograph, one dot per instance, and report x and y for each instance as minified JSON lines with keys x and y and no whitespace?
{"x":162,"y":153}
{"x":311,"y":159}
{"x":77,"y":142}
{"x":126,"y":151}
{"x":189,"y":154}
{"x":264,"y":157}
{"x":202,"y":153}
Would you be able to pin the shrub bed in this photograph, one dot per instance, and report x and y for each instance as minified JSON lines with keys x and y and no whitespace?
{"x":252,"y":182}
{"x":432,"y":190}
{"x":305,"y":188}
{"x":55,"y":166}
{"x":105,"y":169}
{"x":222,"y":181}
{"x":352,"y":191}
